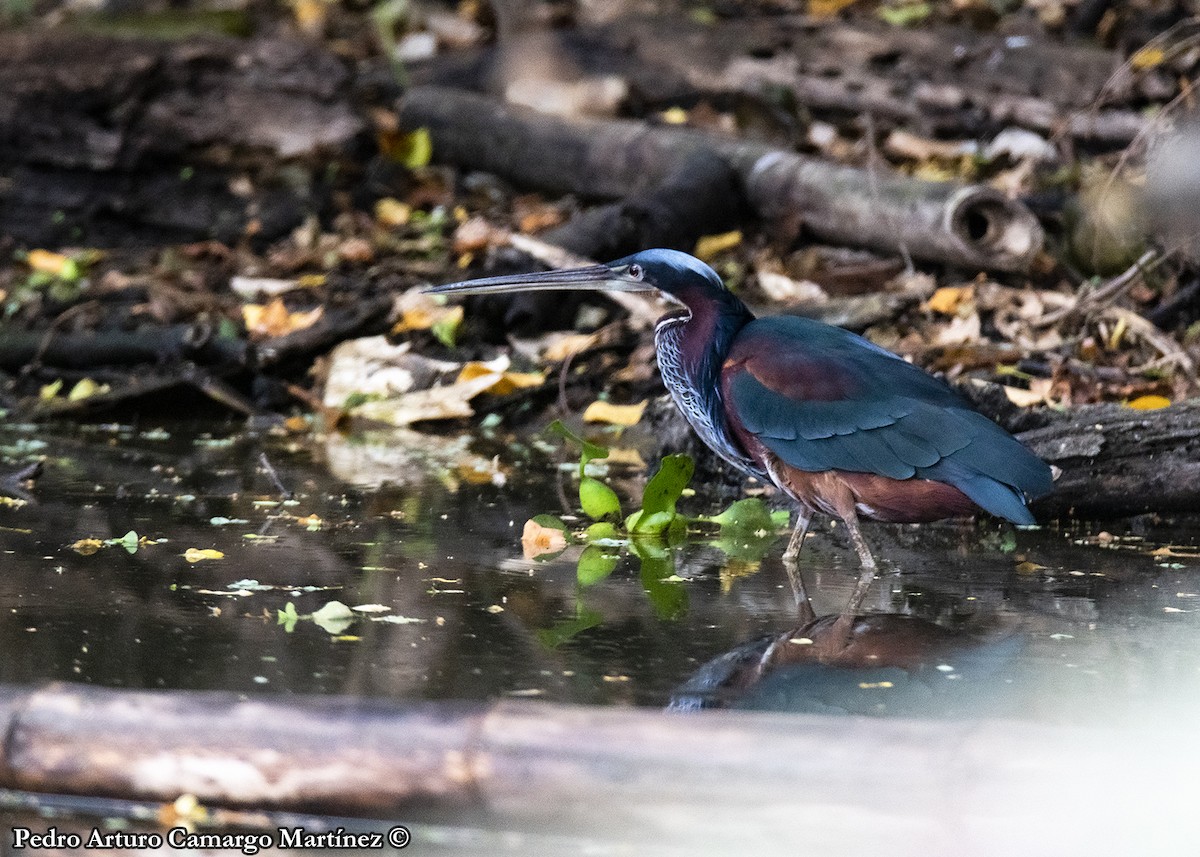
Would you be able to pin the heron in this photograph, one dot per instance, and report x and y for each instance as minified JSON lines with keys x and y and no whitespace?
{"x":838,"y":424}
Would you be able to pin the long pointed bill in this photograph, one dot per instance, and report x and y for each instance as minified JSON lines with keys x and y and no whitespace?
{"x":599,"y":277}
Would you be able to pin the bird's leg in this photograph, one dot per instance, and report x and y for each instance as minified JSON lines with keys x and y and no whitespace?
{"x":845,"y":621}
{"x":791,"y":555}
{"x":798,"y":534}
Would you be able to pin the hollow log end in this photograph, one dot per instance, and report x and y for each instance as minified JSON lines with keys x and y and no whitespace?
{"x":1001,"y":233}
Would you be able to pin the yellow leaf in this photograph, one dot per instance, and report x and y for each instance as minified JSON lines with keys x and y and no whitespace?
{"x":827,"y":8}
{"x":710,"y":245}
{"x":87,"y":547}
{"x":674,"y":116}
{"x":1150,"y":403}
{"x":310,"y":15}
{"x":620,"y":415}
{"x":537,"y":540}
{"x":626,"y":457}
{"x":568,"y":345}
{"x":1147,"y":57}
{"x":55,"y":264}
{"x":85,"y":388}
{"x":49,"y":391}
{"x":414,"y":149}
{"x":391,"y":212}
{"x":273,"y":319}
{"x":197,"y":554}
{"x":506,"y":382}
{"x":949,"y":299}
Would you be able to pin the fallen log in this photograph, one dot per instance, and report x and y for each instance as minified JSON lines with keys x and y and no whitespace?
{"x":969,"y":225}
{"x":937,"y":80}
{"x":115,"y":140}
{"x":1119,"y":461}
{"x":763,"y":783}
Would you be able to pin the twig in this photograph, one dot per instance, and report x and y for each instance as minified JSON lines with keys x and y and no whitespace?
{"x":265,"y":464}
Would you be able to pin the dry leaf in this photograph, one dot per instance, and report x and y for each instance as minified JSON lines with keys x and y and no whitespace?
{"x":391,"y":212}
{"x":87,"y":547}
{"x":949,"y":300}
{"x":537,"y":540}
{"x":710,"y":245}
{"x":505,"y":383}
{"x":55,"y":264}
{"x":674,"y":116}
{"x":567,"y":345}
{"x":619,"y":415}
{"x":274,"y":319}
{"x":1150,"y":403}
{"x":198,"y":554}
{"x":1147,"y":57}
{"x":1037,"y":394}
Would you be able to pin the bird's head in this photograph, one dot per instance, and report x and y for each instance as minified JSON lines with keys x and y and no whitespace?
{"x":672,"y":272}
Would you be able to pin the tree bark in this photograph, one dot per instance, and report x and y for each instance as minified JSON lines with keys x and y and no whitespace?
{"x":969,"y":225}
{"x":106,"y":140}
{"x":715,"y":781}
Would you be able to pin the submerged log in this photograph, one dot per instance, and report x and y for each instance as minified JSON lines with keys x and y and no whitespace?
{"x":969,"y":225}
{"x":763,"y":783}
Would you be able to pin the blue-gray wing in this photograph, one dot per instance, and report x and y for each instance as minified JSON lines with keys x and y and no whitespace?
{"x":821,"y":398}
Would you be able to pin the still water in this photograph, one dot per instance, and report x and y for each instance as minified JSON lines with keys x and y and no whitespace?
{"x":421,"y":536}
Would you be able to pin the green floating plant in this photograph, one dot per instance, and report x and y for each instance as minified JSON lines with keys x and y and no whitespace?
{"x":746,"y":529}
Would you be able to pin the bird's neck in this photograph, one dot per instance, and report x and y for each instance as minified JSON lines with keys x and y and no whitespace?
{"x":691,"y":345}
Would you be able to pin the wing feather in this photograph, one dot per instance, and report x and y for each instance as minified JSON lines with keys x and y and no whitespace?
{"x":821,"y":399}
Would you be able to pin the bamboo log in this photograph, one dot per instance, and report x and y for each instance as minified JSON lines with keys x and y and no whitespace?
{"x":968,"y":225}
{"x":760,"y":783}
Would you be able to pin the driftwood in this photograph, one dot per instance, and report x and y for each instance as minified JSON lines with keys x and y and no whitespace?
{"x":110,"y":140}
{"x":960,"y":224}
{"x":763,"y":783}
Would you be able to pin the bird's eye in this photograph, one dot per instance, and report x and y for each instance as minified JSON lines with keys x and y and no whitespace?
{"x":635,"y":271}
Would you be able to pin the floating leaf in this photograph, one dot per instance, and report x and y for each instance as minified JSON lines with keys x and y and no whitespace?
{"x":595,"y":564}
{"x":87,"y":547}
{"x":287,"y":617}
{"x":618,"y":415}
{"x":662,"y":493}
{"x":542,"y":535}
{"x":602,"y":531}
{"x":751,"y":515}
{"x":334,"y":617}
{"x":49,"y":391}
{"x":198,"y":554}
